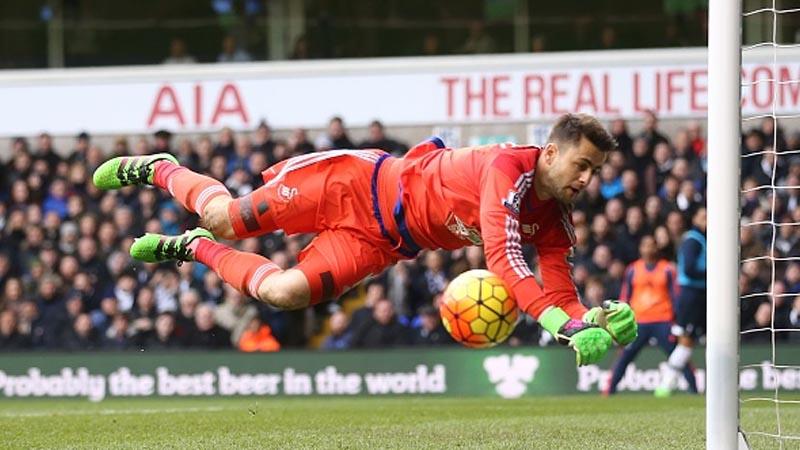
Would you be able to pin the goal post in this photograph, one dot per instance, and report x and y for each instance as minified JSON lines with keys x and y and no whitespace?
{"x":724,"y":123}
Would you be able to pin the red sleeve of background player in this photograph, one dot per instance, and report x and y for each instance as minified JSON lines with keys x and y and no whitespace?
{"x":503,"y":185}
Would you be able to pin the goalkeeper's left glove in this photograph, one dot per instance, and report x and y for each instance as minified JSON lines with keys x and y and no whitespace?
{"x":615,"y":317}
{"x":589,"y":341}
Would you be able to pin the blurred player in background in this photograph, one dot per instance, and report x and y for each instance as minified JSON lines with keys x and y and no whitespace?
{"x":370,"y":210}
{"x":690,"y":321}
{"x":649,"y":286}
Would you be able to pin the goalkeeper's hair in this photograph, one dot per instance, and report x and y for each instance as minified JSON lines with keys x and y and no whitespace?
{"x":570,"y":128}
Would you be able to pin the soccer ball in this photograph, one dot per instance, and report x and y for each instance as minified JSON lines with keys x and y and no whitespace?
{"x":478,"y":309}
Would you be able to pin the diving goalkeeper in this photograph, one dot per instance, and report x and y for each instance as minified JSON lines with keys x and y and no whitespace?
{"x":370,"y":210}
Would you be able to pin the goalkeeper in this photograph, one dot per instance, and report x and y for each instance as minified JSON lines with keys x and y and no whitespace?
{"x":370,"y":210}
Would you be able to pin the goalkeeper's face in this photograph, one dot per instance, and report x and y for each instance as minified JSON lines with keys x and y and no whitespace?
{"x":570,"y":168}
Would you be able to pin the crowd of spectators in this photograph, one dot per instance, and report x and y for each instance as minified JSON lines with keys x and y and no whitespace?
{"x":68,"y":283}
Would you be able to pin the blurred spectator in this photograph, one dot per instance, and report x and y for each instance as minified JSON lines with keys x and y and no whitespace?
{"x":774,"y":136}
{"x":794,"y":318}
{"x":166,"y":291}
{"x":10,"y":337}
{"x":383,"y":330}
{"x":241,"y":156}
{"x":538,"y":43}
{"x":431,"y":331}
{"x":78,"y":154}
{"x":46,"y":153}
{"x":375,"y":292}
{"x":430,"y":280}
{"x":235,"y":313}
{"x":339,"y":337}
{"x":377,"y":139}
{"x":696,"y":138}
{"x":212,"y":287}
{"x":263,"y":140}
{"x":178,"y":53}
{"x":651,"y":133}
{"x":103,"y":316}
{"x":231,"y":52}
{"x":143,"y":315}
{"x":257,"y":337}
{"x":186,"y":154}
{"x":478,"y":41}
{"x":164,"y":336}
{"x":299,"y":144}
{"x":336,"y":137}
{"x":757,"y":329}
{"x":608,"y":38}
{"x":225,"y":145}
{"x":185,"y":326}
{"x":125,"y":291}
{"x":208,"y":334}
{"x":12,"y":294}
{"x":52,"y":312}
{"x":632,"y":194}
{"x":635,"y":226}
{"x":301,"y":48}
{"x":611,"y":182}
{"x":162,"y":141}
{"x":118,"y":335}
{"x":83,"y":335}
{"x":431,"y":45}
{"x":56,"y":199}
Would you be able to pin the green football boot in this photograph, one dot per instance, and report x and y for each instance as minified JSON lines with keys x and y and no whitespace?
{"x":128,"y":170}
{"x":155,"y":248}
{"x":662,"y":392}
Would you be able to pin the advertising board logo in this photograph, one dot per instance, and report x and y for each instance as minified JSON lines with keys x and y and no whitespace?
{"x":511,"y":374}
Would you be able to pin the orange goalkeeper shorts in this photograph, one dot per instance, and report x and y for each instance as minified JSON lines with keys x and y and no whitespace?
{"x":330,"y":194}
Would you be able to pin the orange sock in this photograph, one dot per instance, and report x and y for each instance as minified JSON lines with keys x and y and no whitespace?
{"x":242,"y":270}
{"x":190,"y":189}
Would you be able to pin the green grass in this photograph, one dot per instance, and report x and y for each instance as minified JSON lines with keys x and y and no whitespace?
{"x":623,"y":422}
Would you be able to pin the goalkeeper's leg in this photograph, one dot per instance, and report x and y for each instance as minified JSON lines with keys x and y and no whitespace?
{"x":334,"y":261}
{"x":224,"y":216}
{"x":192,"y":190}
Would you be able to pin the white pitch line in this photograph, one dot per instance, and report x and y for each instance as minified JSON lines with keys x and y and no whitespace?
{"x":110,"y":412}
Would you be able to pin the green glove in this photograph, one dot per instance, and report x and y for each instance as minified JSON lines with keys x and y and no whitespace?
{"x":615,"y":317}
{"x":589,"y":341}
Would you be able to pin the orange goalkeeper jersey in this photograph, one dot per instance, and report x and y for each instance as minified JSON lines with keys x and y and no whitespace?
{"x":451,"y":198}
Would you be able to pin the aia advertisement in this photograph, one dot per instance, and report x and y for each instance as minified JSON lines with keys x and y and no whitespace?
{"x":399,"y":91}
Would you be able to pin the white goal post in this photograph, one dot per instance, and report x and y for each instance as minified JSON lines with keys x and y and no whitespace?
{"x":724,"y":123}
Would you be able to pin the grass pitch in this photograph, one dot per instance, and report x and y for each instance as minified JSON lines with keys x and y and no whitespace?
{"x":623,"y":422}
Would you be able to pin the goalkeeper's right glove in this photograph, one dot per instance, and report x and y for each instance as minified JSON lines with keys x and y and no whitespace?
{"x":589,"y":341}
{"x":615,"y":317}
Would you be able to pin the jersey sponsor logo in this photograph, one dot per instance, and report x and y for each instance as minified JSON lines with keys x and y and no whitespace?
{"x":529,"y":229}
{"x":286,"y":193}
{"x":460,"y":229}
{"x":513,"y":201}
